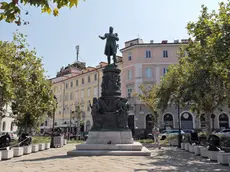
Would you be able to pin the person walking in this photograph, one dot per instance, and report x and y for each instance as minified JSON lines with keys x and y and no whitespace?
{"x":156,"y":133}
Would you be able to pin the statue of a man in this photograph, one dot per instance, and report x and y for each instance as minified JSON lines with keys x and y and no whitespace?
{"x":110,"y":46}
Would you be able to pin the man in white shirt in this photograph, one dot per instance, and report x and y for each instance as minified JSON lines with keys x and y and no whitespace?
{"x":156,"y":133}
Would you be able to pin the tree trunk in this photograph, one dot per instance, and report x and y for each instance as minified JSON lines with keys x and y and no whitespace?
{"x":208,"y":123}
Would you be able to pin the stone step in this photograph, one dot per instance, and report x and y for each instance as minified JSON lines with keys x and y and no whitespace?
{"x":136,"y":146}
{"x":144,"y":152}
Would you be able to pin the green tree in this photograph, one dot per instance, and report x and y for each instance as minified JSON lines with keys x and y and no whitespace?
{"x":207,"y":80}
{"x":148,"y":97}
{"x":12,"y":11}
{"x":29,"y":92}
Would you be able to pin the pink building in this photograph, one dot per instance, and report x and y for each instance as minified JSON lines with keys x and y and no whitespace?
{"x":144,"y":63}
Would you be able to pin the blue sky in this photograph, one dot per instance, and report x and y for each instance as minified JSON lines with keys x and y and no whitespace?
{"x":55,"y":38}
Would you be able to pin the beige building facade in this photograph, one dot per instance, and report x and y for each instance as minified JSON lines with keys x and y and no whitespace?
{"x":78,"y":88}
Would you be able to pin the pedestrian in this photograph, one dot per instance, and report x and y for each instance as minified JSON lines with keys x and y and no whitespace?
{"x":156,"y":133}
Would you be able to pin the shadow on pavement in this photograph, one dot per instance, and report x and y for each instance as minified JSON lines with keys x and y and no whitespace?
{"x":47,"y":158}
{"x":173,"y":159}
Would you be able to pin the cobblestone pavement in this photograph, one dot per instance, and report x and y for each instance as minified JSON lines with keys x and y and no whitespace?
{"x":167,"y":159}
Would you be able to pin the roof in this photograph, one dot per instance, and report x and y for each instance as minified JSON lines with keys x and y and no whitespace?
{"x":132,"y":40}
{"x":85,"y":71}
{"x":148,"y":44}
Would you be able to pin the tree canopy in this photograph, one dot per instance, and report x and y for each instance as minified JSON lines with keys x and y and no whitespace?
{"x":201,"y":78}
{"x":12,"y":11}
{"x":23,"y":85}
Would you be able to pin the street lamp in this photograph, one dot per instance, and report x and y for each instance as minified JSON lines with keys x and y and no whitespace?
{"x":213,"y":117}
{"x":52,"y":136}
{"x":179,"y":127}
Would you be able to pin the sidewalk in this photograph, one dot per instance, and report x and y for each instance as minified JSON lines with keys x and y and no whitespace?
{"x":167,"y":159}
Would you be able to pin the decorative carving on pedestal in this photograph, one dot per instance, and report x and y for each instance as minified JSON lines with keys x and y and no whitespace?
{"x":110,"y":111}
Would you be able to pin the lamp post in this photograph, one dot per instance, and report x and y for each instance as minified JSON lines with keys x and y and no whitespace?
{"x":179,"y":127}
{"x":132,"y":101}
{"x":52,"y":136}
{"x":213,"y":117}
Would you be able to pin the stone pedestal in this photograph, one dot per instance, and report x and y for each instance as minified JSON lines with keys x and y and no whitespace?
{"x":27,"y":150}
{"x":222,"y":157}
{"x":204,"y":152}
{"x":7,"y":154}
{"x":35,"y":148}
{"x":186,"y":146}
{"x":182,"y":145}
{"x":116,"y":143}
{"x":134,"y":149}
{"x":18,"y":151}
{"x":47,"y":145}
{"x":110,"y":137}
{"x":191,"y":148}
{"x":212,"y":155}
{"x":41,"y":146}
{"x":197,"y":150}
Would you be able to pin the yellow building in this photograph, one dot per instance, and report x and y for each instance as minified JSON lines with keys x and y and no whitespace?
{"x":76,"y":86}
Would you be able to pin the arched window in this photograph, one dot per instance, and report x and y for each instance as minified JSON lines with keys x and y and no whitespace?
{"x":46,"y":123}
{"x":223,"y":121}
{"x":12,"y":126}
{"x":186,"y":120}
{"x":168,"y":120}
{"x":4,"y":126}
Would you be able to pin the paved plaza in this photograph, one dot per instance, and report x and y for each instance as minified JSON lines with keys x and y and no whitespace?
{"x":168,"y":159}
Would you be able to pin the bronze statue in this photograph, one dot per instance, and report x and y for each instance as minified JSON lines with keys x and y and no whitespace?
{"x":110,"y":46}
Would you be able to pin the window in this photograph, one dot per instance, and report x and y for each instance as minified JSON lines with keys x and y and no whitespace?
{"x":3,"y":126}
{"x":66,"y":85}
{"x":76,"y":95}
{"x":148,"y":72}
{"x":129,"y":74}
{"x":95,"y":92}
{"x":88,"y":78}
{"x":95,"y":77}
{"x":46,"y":123}
{"x":82,"y":94}
{"x":165,"y":54}
{"x":71,"y":96}
{"x":71,"y":84}
{"x":88,"y":91}
{"x":165,"y":71}
{"x":148,"y":54}
{"x":129,"y":56}
{"x":131,"y":44}
{"x":66,"y":97}
{"x":82,"y":81}
{"x":76,"y":82}
{"x":129,"y":91}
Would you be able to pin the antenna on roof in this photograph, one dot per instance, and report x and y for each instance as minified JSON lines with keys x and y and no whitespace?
{"x":77,"y":51}
{"x":138,"y":36}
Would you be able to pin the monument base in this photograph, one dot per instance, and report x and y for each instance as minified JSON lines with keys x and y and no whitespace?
{"x":110,"y":137}
{"x":115,"y":143}
{"x":134,"y":149}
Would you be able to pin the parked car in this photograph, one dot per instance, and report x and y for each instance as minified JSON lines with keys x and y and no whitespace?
{"x":165,"y":133}
{"x":188,"y":131}
{"x":224,"y":132}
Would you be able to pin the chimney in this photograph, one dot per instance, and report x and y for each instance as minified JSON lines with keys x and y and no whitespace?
{"x":164,"y":42}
